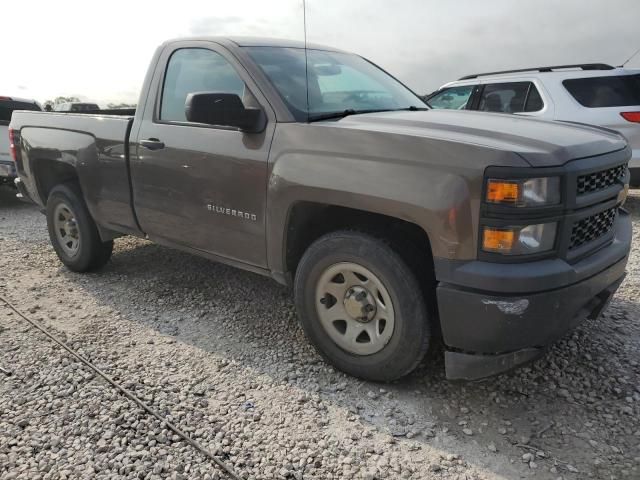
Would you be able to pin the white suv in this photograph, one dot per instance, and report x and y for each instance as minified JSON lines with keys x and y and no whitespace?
{"x":595,"y":94}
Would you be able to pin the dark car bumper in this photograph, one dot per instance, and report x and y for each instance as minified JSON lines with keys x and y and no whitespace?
{"x":513,"y":311}
{"x":7,"y":171}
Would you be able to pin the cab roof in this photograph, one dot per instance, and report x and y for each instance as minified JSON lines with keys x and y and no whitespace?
{"x":240,"y":41}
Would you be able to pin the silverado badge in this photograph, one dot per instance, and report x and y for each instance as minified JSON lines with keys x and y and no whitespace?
{"x":232,"y":212}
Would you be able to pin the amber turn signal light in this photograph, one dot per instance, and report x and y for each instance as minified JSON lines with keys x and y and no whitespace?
{"x":503,"y":192}
{"x":497,"y":240}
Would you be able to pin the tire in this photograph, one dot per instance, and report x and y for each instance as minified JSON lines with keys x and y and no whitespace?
{"x":382,"y":355}
{"x":72,"y":231}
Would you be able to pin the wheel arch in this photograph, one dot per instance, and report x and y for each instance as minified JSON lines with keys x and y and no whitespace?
{"x":307,"y":221}
{"x":49,"y":173}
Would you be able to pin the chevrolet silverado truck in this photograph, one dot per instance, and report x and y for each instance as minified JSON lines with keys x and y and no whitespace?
{"x":394,"y":224}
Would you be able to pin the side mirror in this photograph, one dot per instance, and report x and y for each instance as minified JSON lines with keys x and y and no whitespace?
{"x":224,"y":109}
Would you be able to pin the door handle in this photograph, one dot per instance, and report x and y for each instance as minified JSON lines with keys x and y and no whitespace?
{"x":152,"y":144}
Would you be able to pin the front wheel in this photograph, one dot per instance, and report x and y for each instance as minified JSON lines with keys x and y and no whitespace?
{"x":72,"y":231}
{"x":362,"y":306}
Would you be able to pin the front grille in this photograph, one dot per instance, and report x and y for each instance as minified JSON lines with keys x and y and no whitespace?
{"x":597,"y":181}
{"x":592,"y":228}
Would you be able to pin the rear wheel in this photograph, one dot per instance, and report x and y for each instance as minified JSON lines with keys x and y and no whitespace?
{"x":72,"y":231}
{"x":362,"y":306}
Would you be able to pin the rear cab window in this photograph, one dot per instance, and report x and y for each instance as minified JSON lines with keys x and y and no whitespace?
{"x":603,"y":92}
{"x":8,"y":106}
{"x":510,"y":97}
{"x":453,"y":98}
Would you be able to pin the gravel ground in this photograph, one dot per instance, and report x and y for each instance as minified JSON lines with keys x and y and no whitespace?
{"x":219,"y":352}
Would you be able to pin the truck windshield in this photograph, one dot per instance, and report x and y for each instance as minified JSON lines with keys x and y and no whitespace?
{"x":339,"y":83}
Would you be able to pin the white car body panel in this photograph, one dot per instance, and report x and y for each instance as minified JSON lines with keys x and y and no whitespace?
{"x":560,"y":105}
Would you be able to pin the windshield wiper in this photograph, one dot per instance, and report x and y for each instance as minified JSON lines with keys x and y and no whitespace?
{"x":351,"y":111}
{"x":342,"y":114}
{"x":413,"y":108}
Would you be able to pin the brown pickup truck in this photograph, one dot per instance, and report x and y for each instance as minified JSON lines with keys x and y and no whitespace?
{"x":394,"y":224}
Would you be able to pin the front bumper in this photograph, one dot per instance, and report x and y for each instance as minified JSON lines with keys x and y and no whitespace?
{"x":501,"y":316}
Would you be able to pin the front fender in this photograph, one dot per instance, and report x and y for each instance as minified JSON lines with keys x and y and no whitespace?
{"x":433,"y":184}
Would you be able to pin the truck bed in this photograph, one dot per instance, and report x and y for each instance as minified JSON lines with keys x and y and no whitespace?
{"x":95,"y":145}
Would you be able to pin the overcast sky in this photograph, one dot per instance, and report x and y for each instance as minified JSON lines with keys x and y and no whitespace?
{"x":67,"y":47}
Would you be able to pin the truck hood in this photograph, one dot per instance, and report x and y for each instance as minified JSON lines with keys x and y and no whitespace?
{"x":540,"y":143}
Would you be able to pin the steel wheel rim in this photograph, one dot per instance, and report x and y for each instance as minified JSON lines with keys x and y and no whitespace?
{"x":345,"y":295}
{"x":66,"y":229}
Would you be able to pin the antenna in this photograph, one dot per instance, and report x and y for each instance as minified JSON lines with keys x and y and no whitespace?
{"x":628,"y":59}
{"x":306,"y":60}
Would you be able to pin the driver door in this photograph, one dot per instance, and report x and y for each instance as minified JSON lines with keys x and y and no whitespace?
{"x":200,"y":186}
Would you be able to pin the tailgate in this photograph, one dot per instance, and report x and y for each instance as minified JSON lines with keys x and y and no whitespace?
{"x":4,"y":143}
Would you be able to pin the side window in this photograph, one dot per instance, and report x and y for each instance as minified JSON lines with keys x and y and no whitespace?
{"x":602,"y":92}
{"x":195,"y":70}
{"x":514,"y":97}
{"x":534,"y":100}
{"x":454,"y":98}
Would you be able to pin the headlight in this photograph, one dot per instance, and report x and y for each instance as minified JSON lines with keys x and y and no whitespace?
{"x":519,"y":240}
{"x":532,"y":192}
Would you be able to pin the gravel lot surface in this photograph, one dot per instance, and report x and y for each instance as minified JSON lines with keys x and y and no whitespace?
{"x":219,"y":351}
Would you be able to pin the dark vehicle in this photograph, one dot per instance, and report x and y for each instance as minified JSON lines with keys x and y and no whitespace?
{"x":7,"y":106}
{"x":395,"y":224}
{"x":76,"y":107}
